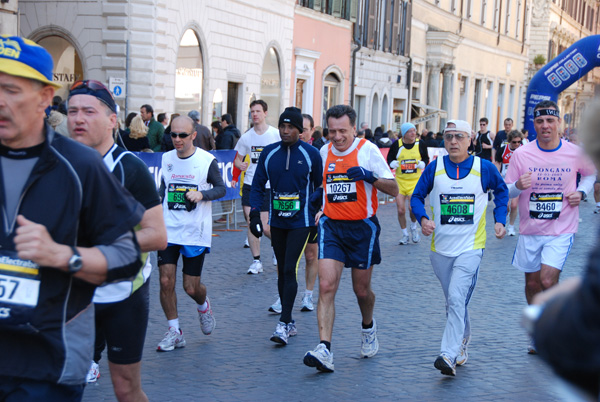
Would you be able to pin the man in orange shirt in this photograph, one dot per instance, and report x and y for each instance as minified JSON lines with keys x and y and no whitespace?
{"x":354,"y":170}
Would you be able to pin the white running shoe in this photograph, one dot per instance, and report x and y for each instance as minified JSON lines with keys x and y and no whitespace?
{"x":207,"y":319}
{"x":370,"y":344}
{"x":280,"y":335}
{"x":404,"y":240}
{"x":321,"y":358}
{"x":416,"y":237}
{"x":597,"y":210}
{"x":173,"y":339}
{"x":246,"y":244}
{"x":255,"y":268}
{"x":291,"y":328}
{"x":445,"y":365}
{"x":93,"y":374}
{"x":510,"y":230}
{"x":464,"y":354}
{"x":276,"y":307}
{"x":274,"y":259}
{"x":307,"y":303}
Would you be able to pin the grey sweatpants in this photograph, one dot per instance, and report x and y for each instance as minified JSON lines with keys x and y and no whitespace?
{"x":458,"y":276}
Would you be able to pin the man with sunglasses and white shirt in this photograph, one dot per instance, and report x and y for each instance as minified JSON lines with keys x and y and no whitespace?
{"x":457,"y":185}
{"x":515,"y":140}
{"x":190,"y":180}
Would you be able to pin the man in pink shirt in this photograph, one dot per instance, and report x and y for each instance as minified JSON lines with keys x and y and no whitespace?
{"x":543,"y":175}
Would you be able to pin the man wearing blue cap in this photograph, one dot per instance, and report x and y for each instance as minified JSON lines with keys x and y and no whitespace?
{"x":68,"y":228}
{"x":409,"y":157}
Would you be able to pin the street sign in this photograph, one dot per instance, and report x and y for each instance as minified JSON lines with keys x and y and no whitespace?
{"x":117,"y":87}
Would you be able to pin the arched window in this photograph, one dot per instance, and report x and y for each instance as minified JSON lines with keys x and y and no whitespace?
{"x":67,"y":64}
{"x":331,"y":88}
{"x":270,"y":86}
{"x":189,"y":74}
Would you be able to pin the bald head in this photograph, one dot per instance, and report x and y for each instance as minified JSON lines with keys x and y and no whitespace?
{"x":182,"y":124}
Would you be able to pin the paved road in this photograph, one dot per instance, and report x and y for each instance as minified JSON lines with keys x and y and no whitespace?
{"x":238,"y":362}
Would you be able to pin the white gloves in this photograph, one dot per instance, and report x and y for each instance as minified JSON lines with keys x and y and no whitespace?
{"x":394,"y":164}
{"x":421,"y":165}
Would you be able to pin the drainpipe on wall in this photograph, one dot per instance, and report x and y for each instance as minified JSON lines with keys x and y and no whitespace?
{"x":358,"y":45}
{"x":127,"y":79}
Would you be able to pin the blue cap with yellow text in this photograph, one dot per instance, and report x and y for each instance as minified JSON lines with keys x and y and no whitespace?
{"x":24,"y":58}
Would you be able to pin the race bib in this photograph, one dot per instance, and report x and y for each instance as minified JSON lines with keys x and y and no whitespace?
{"x":457,"y":209}
{"x":340,"y":188}
{"x":409,"y":166}
{"x":255,"y":153}
{"x":176,"y":199}
{"x":286,"y":205}
{"x":545,"y":205}
{"x":19,"y":292}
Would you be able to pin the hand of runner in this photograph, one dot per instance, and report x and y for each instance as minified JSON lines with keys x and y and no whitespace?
{"x":33,"y":242}
{"x":244,"y":166}
{"x":574,"y":198}
{"x":360,"y":173}
{"x":317,"y":217}
{"x":194,"y":196}
{"x":524,"y":181}
{"x":394,"y":164}
{"x":500,"y":230}
{"x":427,"y":226}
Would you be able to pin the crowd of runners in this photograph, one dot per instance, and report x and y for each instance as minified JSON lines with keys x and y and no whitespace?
{"x":89,"y":253}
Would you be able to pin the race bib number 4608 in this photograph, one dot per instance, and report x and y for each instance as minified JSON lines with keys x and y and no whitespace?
{"x":457,"y":209}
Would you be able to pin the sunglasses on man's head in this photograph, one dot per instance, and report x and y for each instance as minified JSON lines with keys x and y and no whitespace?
{"x":180,"y":135}
{"x":90,"y":84}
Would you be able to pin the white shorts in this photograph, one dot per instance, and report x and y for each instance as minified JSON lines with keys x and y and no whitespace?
{"x":532,"y":251}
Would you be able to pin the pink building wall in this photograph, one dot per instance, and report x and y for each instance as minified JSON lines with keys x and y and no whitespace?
{"x":334,"y":43}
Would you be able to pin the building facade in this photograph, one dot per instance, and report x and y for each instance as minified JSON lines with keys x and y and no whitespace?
{"x":470,"y":59}
{"x":321,"y":56}
{"x":215,"y":56}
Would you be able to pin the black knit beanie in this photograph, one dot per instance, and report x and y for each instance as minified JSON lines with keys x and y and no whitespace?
{"x":293,"y":116}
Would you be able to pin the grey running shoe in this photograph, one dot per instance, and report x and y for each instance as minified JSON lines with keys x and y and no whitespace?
{"x":403,"y":240}
{"x":531,"y":347}
{"x":307,"y":303}
{"x":464,"y":354}
{"x":445,"y":365}
{"x":173,"y":339}
{"x":416,"y":237}
{"x":93,"y":374}
{"x":321,"y":358}
{"x":207,"y":320}
{"x":370,"y":344}
{"x":280,"y":335}
{"x":255,"y":268}
{"x":276,"y":307}
{"x":291,"y":328}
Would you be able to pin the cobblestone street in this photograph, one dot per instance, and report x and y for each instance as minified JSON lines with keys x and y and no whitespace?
{"x":238,"y":362}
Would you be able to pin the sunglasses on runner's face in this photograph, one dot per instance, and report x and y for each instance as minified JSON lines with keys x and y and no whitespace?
{"x":516,"y":142}
{"x":180,"y":135}
{"x":450,"y":136}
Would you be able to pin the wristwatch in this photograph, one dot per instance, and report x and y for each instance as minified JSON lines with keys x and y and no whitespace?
{"x":75,"y":262}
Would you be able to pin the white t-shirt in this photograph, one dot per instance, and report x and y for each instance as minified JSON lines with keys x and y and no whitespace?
{"x":252,"y":144}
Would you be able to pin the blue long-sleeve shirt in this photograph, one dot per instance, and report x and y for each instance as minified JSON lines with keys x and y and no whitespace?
{"x":490,"y":180}
{"x":294,"y":173}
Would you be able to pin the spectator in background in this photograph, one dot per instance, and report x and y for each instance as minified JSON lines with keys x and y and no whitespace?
{"x":129,"y":118}
{"x":204,"y":138}
{"x":167,"y":143}
{"x":216,"y":129}
{"x":227,"y":125}
{"x":225,"y":139}
{"x":369,"y":135}
{"x":155,"y":129}
{"x":500,"y":138}
{"x":384,"y":141}
{"x":439,"y":137}
{"x":135,"y":137}
{"x":377,"y":134}
{"x":56,"y":101}
{"x":317,"y":136}
{"x":162,"y":119}
{"x":325,"y":136}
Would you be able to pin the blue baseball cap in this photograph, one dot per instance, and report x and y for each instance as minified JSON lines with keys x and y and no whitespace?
{"x":25,"y":58}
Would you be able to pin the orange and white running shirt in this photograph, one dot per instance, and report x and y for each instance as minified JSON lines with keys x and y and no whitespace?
{"x":345,"y":199}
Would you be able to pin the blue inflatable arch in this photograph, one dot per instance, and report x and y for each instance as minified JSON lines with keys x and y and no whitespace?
{"x":559,"y":74}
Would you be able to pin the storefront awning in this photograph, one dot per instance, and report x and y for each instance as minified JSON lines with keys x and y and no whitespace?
{"x":433,"y":114}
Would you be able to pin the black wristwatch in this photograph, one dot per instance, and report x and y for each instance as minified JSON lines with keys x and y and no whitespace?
{"x":75,"y":262}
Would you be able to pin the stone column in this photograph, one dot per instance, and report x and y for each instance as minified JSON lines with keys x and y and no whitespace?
{"x":433,"y":90}
{"x":447,"y":73}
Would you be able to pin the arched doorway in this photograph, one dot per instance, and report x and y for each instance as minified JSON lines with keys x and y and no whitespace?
{"x":374,"y":112}
{"x":67,"y":64}
{"x":189,"y":74}
{"x":384,"y":113}
{"x":270,"y":86}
